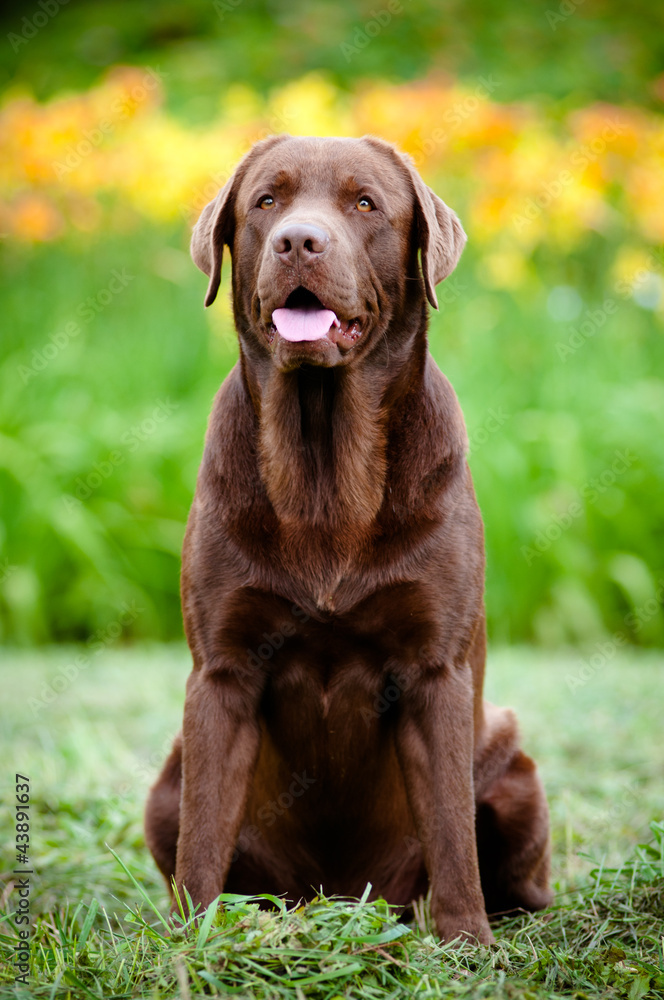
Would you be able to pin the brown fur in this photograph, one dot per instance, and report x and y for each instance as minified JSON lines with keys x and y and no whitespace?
{"x":333,"y":571}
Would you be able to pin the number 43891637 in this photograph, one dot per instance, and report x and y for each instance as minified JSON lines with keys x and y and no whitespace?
{"x":22,"y":815}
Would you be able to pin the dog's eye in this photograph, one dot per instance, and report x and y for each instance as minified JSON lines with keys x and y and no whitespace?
{"x":364,"y":204}
{"x":266,"y":202}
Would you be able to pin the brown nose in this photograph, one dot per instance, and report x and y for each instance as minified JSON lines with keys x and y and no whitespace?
{"x":300,"y":242}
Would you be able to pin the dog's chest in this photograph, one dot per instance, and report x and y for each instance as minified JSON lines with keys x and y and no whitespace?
{"x":328,"y":592}
{"x":332,"y":680}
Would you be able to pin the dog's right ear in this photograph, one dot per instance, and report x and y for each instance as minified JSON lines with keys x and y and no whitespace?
{"x":216,"y":225}
{"x":214,"y":228}
{"x":440,"y":232}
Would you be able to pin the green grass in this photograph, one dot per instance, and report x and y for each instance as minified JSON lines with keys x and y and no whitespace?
{"x":92,"y":750}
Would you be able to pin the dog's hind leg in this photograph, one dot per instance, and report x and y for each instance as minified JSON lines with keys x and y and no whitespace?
{"x":162,"y":813}
{"x":512,"y":820}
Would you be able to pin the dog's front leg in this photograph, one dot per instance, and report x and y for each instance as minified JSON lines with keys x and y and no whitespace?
{"x":221,"y":738}
{"x":435,"y":747}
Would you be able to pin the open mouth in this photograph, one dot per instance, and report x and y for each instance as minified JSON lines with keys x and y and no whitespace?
{"x":305,"y":318}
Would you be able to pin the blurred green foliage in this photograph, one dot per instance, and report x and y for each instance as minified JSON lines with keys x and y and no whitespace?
{"x":101,"y":429}
{"x":117,"y":418}
{"x":577,"y":50}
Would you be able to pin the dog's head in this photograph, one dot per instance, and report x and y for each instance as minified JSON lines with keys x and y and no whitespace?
{"x":324,"y":236}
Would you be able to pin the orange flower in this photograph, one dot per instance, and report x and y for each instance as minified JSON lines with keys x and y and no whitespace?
{"x":35,"y":219}
{"x":510,"y":169}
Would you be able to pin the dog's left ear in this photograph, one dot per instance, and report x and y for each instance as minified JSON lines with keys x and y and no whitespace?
{"x":441,"y":235}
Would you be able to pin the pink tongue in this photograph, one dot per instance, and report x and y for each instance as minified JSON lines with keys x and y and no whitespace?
{"x":303,"y":324}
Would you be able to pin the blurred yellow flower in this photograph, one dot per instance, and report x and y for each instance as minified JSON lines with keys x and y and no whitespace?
{"x":310,"y":106}
{"x":504,"y":269}
{"x":509,"y":169}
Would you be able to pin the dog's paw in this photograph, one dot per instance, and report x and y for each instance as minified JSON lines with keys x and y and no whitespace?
{"x":472,"y":928}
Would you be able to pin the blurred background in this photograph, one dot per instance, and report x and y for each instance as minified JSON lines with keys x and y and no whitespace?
{"x":543,"y":126}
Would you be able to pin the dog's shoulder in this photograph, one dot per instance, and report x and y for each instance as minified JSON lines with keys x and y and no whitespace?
{"x":231,"y":433}
{"x":446,"y":412}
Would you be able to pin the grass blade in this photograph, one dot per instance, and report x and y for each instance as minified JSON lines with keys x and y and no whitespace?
{"x":204,"y":929}
{"x":140,"y":888}
{"x":87,"y":925}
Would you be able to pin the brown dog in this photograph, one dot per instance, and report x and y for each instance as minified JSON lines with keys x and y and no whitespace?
{"x":333,"y":570}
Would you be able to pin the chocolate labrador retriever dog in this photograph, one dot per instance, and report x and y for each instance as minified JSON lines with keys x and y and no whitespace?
{"x":332,"y":584}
